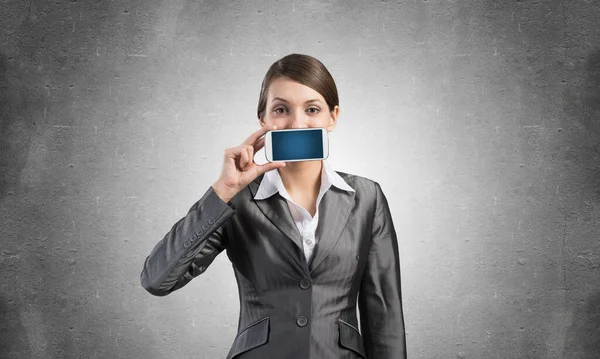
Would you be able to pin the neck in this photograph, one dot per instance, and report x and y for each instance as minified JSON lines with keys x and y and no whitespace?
{"x":303,"y":177}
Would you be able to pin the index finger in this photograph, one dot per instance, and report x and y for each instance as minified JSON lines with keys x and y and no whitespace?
{"x":259,"y":133}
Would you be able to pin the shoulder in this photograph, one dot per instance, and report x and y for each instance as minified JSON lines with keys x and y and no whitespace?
{"x":364,"y":186}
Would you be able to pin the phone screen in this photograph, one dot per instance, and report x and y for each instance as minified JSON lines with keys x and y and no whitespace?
{"x":296,"y":145}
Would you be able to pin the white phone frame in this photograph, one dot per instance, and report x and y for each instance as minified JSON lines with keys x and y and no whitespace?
{"x":269,"y":149}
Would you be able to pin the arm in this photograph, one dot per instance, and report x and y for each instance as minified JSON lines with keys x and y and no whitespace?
{"x":190,"y":246}
{"x":380,"y":298}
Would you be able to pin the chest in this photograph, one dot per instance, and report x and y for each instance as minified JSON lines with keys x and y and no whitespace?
{"x":309,"y":203}
{"x":264,"y":254}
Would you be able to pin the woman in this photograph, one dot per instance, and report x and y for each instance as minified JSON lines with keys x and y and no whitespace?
{"x":305,"y":241}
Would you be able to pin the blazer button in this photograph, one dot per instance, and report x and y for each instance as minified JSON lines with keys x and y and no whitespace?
{"x":304,"y":283}
{"x":187,"y":244}
{"x":211,"y":221}
{"x":199,"y":232}
{"x":205,"y":226}
{"x":302,"y":321}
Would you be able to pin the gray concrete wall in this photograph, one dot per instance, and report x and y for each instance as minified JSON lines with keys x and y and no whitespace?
{"x":479,"y":118}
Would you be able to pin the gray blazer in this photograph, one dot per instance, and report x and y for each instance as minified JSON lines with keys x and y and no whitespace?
{"x":288,"y":308}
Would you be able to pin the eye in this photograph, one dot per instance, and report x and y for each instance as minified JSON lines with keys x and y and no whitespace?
{"x":313,"y":110}
{"x":279,"y":110}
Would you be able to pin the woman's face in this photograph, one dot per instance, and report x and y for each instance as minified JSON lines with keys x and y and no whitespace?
{"x":293,"y":105}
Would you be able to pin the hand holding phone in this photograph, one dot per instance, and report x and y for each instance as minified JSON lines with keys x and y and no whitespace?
{"x":239,"y":168}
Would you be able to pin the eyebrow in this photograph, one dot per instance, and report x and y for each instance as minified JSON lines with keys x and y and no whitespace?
{"x":280,"y":99}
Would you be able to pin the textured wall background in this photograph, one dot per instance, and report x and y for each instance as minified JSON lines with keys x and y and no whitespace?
{"x":479,"y":118}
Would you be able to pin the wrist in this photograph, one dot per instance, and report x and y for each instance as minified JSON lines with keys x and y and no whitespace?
{"x":222,"y":191}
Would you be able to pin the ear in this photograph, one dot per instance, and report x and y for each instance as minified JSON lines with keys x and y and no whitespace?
{"x":333,"y":118}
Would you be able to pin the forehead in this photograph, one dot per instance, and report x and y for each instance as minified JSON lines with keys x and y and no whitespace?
{"x":291,"y":91}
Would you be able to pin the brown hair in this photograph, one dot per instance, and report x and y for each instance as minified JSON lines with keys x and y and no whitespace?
{"x":304,"y":69}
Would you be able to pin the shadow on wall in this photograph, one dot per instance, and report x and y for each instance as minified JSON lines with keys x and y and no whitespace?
{"x":583,"y":336}
{"x":582,"y":106}
{"x":582,"y":110}
{"x":15,"y":139}
{"x":592,"y":93}
{"x":15,"y":130}
{"x":13,"y":336}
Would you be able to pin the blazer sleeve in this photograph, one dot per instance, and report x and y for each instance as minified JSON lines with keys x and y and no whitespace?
{"x":190,"y":246}
{"x":380,"y":298}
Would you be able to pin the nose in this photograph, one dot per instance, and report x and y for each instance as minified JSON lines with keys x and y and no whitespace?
{"x":298,"y":120}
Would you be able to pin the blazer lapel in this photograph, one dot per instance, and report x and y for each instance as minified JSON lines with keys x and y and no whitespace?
{"x":334,"y":211}
{"x":276,"y":209}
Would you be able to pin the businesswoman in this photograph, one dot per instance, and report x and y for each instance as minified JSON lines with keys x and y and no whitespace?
{"x":305,"y":241}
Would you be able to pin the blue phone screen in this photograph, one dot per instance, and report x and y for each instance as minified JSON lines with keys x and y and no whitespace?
{"x":298,"y":144}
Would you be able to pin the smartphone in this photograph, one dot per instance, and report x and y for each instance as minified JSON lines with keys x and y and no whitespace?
{"x":298,"y":144}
